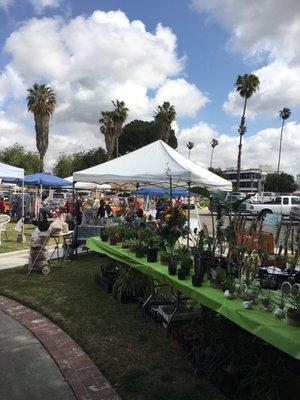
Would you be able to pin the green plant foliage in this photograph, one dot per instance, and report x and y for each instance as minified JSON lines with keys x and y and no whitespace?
{"x":131,"y":283}
{"x":17,"y":156}
{"x":139,"y":133}
{"x":282,"y":183}
{"x":69,"y":163}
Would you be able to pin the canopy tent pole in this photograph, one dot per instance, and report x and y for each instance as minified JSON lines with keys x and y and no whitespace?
{"x":171,"y":193}
{"x":23,"y":215}
{"x":189,"y":215}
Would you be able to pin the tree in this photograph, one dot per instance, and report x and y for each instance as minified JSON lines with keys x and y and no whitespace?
{"x":190,"y":145}
{"x":41,"y":101}
{"x":17,"y":156}
{"x":246,"y":85}
{"x":139,"y":133}
{"x":218,"y":171}
{"x":282,"y":183}
{"x":214,"y":143}
{"x":119,"y":116}
{"x":164,"y":116}
{"x":284,"y":114}
{"x":64,"y":165}
{"x":67,"y":164}
{"x":106,"y":127}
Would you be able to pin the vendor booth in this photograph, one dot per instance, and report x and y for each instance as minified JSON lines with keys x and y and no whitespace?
{"x":157,"y":164}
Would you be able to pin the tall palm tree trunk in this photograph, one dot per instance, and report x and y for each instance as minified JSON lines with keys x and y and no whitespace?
{"x":211,"y":156}
{"x":280,"y":145}
{"x":242,"y":124}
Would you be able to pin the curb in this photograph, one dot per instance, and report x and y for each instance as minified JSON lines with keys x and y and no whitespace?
{"x":86,"y":381}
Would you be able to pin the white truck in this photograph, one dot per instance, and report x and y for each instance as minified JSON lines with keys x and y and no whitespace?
{"x":278,"y":205}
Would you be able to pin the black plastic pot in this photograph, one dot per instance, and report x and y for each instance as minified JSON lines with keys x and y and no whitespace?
{"x":181,"y":274}
{"x":172,"y":269}
{"x":293,"y":317}
{"x":140,"y":252}
{"x":197,"y":280}
{"x":104,"y":238}
{"x":152,"y":254}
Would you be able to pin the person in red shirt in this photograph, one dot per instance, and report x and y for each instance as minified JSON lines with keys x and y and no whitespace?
{"x":2,"y":206}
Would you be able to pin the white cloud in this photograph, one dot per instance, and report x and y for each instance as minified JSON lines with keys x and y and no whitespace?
{"x":185,"y":96}
{"x":267,"y":31}
{"x":279,"y":87}
{"x":41,"y":5}
{"x":90,"y":61}
{"x":260,"y":148}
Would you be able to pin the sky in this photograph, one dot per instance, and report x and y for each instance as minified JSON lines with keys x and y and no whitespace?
{"x":188,"y":52}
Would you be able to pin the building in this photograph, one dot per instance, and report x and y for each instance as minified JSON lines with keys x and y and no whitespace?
{"x":251,"y":180}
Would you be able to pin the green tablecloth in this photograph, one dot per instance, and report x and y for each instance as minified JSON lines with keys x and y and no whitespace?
{"x":259,"y":323}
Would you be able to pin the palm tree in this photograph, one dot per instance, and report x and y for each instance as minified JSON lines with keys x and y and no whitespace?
{"x":164,"y":116}
{"x":284,"y":114}
{"x":214,"y":143}
{"x":41,"y":101}
{"x":119,"y":115}
{"x":190,"y":145}
{"x":106,"y":127}
{"x":246,"y":85}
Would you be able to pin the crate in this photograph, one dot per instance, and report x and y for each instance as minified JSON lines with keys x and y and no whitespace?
{"x":185,"y":316}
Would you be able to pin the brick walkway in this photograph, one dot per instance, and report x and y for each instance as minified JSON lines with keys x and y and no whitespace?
{"x":80,"y":372}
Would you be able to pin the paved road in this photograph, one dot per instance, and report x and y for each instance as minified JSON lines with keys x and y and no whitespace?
{"x":27,"y":371}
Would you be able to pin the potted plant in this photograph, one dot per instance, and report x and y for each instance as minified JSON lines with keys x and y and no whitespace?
{"x":181,"y":274}
{"x":112,"y":233}
{"x":164,"y":257}
{"x":198,"y":276}
{"x":152,"y":249}
{"x":104,"y":235}
{"x":292,"y":294}
{"x":140,"y":249}
{"x":187,"y":263}
{"x":172,"y":263}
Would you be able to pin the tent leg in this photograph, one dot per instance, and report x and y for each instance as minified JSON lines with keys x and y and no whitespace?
{"x":171,"y":193}
{"x":23,"y":216}
{"x":189,"y":215}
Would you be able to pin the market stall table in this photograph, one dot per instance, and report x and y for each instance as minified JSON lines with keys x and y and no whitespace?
{"x":261,"y":324}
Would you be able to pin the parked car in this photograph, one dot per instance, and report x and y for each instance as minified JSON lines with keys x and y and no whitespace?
{"x":295,"y":213}
{"x":230,"y":198}
{"x":279,"y":205}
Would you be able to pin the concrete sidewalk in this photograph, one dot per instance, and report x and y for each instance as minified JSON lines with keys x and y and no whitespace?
{"x":19,"y":258}
{"x":28,"y":372}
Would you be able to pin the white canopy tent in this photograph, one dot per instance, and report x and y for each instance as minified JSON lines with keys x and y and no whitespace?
{"x":88,"y":185}
{"x":156,"y":164}
{"x":10,"y":172}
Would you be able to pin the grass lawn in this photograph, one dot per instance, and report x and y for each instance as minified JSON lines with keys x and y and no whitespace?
{"x":11,"y":244}
{"x":129,"y":348}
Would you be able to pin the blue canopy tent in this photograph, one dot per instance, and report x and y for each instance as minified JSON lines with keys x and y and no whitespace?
{"x":160,"y":192}
{"x":42,"y":179}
